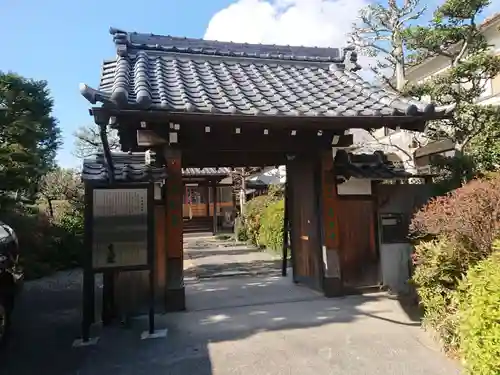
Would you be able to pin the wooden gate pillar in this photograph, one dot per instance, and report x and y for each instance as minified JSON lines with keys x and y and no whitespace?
{"x":215,"y":198}
{"x":332,"y":283}
{"x":174,"y":293}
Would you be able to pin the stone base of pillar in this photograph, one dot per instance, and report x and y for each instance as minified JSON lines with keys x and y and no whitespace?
{"x":175,"y":300}
{"x":332,"y":287}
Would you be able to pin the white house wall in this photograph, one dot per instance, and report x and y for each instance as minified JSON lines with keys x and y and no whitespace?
{"x":397,"y":146}
{"x":271,"y":176}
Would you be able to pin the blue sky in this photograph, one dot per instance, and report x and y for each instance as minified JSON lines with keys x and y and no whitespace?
{"x":64,"y":42}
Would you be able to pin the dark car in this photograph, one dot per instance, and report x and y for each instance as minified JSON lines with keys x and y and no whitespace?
{"x":11,"y":276}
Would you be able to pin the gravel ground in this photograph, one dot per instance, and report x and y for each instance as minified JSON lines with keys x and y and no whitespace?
{"x":46,"y":320}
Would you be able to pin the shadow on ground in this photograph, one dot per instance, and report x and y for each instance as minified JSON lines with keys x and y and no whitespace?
{"x":246,"y":325}
{"x":45,"y":323}
{"x":251,"y":268}
{"x":210,"y":252}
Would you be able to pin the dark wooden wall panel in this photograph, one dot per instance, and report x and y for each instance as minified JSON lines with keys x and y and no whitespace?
{"x":306,"y":244}
{"x":358,"y":251}
{"x":174,"y":223}
{"x":161,"y":256}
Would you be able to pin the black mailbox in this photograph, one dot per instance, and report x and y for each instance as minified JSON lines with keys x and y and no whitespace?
{"x":394,"y":228}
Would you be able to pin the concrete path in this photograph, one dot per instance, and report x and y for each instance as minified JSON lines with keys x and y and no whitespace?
{"x":242,"y":325}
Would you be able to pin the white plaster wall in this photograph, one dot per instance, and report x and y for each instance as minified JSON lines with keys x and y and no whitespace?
{"x":438,"y":64}
{"x":394,"y":261}
{"x":355,"y":186}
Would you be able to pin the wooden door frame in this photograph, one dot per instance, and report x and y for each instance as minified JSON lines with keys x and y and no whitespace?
{"x":318,"y":192}
{"x":315,"y":160}
{"x":291,"y":207}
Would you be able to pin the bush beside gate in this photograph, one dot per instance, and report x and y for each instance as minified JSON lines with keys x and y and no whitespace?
{"x":457,"y":268}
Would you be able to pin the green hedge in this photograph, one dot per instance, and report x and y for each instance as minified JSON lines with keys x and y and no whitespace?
{"x":271,"y":226}
{"x":456,"y":232}
{"x":254,"y":209}
{"x":262,"y":223}
{"x":437,"y":276}
{"x":479,"y":323}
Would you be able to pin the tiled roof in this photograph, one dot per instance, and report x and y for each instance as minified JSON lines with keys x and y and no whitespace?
{"x":368,"y":166}
{"x":127,"y":168}
{"x":204,"y":77}
{"x":133,"y":167}
{"x":196,"y":172}
{"x":128,"y":42}
{"x":490,"y":20}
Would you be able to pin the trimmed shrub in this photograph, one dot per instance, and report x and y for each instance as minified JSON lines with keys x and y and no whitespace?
{"x":437,"y":274}
{"x":469,"y":215}
{"x":456,"y":232}
{"x":271,"y":226}
{"x":479,"y":323}
{"x":254,"y":209}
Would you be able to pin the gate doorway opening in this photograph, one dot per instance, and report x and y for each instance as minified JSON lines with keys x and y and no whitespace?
{"x":190,"y":103}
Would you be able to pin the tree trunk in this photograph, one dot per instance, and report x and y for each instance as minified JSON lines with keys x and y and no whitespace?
{"x":399,"y":68}
{"x":51,"y":208}
{"x":243,"y":196}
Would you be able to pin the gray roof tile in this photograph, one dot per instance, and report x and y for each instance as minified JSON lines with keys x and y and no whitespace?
{"x":240,"y":79}
{"x":127,"y":168}
{"x":368,"y":166}
{"x":127,"y":42}
{"x":196,"y":172}
{"x":131,"y":167}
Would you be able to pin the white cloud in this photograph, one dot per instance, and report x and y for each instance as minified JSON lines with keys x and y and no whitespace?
{"x":321,"y":23}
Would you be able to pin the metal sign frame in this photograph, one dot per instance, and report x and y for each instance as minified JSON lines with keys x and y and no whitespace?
{"x":90,"y":271}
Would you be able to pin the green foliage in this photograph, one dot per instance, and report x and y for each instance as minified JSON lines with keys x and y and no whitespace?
{"x":462,"y":226}
{"x":240,"y":230}
{"x":254,"y":209}
{"x":276,"y":191}
{"x":479,"y":323}
{"x":437,"y":274}
{"x":247,"y":227}
{"x":453,"y":34}
{"x":485,"y":149}
{"x":47,"y":244}
{"x":453,"y":172}
{"x":271,"y":226}
{"x":29,"y":134}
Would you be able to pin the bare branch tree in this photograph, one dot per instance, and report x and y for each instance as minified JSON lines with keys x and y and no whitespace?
{"x":380,"y":34}
{"x":88,"y":141}
{"x":239,"y":176}
{"x":60,"y":184}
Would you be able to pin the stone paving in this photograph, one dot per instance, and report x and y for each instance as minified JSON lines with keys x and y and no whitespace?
{"x":243,"y":325}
